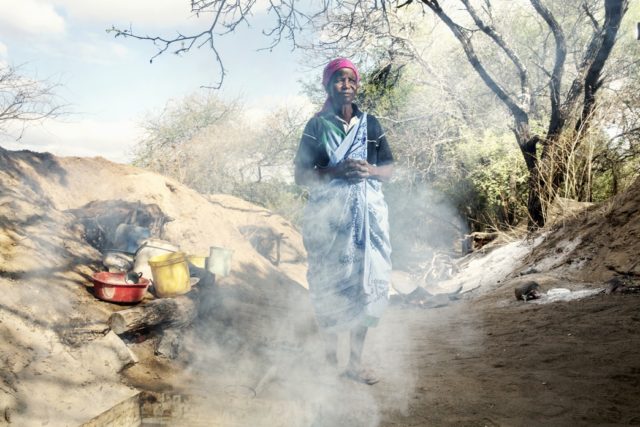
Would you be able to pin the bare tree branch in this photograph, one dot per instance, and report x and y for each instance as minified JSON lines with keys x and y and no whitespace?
{"x":463,"y":37}
{"x":592,"y":18}
{"x":24,"y":100}
{"x":490,"y":31}
{"x":227,"y":16}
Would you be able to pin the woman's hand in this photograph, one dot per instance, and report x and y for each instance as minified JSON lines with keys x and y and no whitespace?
{"x":352,"y":169}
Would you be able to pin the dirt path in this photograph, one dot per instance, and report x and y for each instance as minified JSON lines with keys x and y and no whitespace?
{"x":497,"y":362}
{"x":488,"y":361}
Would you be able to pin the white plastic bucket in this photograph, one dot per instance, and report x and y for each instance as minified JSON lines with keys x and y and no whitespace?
{"x":219,"y":261}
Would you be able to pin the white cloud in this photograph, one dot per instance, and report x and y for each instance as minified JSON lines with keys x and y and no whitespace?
{"x":91,"y":50}
{"x":123,"y":12}
{"x":86,"y":138}
{"x":4,"y":51}
{"x":30,"y":18}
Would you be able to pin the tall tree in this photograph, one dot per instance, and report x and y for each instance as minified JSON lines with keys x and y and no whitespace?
{"x":570,"y":111}
{"x":363,"y":22}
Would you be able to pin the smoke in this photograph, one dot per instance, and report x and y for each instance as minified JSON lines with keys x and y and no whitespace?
{"x":261,"y":351}
{"x":257,"y":357}
{"x":423,"y":222}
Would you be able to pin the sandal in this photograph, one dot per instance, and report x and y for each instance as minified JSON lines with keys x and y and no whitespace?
{"x":360,"y":375}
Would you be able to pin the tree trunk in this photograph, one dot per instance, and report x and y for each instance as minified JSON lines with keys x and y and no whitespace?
{"x":588,"y":83}
{"x":547,"y":174}
{"x":177,"y":311}
{"x":534,"y":202}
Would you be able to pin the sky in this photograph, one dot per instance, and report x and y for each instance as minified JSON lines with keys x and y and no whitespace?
{"x":108,"y":83}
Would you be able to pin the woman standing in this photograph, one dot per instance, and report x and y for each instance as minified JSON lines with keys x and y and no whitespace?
{"x":343,"y":156}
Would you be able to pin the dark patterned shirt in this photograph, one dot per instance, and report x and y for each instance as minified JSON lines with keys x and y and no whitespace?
{"x":311,"y":154}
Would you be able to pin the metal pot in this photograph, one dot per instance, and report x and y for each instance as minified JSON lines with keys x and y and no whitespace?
{"x":117,"y":261}
{"x":148,"y":249}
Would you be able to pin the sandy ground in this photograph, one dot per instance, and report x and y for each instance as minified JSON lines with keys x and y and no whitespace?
{"x":483,"y":363}
{"x":254,"y":358}
{"x":487,"y":361}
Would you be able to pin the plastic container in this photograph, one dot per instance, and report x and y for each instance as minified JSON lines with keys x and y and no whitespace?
{"x":170,"y":274}
{"x":115,"y":288}
{"x":219,"y":261}
{"x":197,"y":260}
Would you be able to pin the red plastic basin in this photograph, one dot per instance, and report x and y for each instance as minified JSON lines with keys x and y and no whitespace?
{"x":113,"y":287}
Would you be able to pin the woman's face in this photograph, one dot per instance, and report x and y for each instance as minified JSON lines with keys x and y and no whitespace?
{"x":343,"y":86}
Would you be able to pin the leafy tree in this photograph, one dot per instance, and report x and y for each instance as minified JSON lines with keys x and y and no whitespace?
{"x":497,"y":174}
{"x":570,"y":109}
{"x":209,"y":145}
{"x":169,"y":134}
{"x":546,"y":84}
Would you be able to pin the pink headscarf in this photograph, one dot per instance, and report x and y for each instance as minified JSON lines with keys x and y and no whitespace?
{"x":328,"y":72}
{"x":334,"y":66}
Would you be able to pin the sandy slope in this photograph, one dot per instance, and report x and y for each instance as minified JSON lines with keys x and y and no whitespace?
{"x":45,"y":267}
{"x":485,"y":359}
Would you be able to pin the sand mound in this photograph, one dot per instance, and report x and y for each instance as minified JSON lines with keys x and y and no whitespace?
{"x":46,"y":263}
{"x":596,"y":244}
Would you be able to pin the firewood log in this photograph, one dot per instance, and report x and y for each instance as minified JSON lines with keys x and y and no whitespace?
{"x":176,"y":312}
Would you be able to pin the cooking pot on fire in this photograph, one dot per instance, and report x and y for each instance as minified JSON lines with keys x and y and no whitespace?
{"x":148,"y":249}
